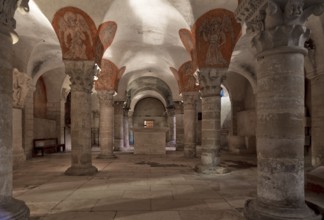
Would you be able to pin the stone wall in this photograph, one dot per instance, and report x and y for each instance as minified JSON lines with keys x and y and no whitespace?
{"x":44,"y":128}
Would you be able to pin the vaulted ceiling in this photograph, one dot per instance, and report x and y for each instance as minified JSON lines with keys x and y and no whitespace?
{"x":146,"y":41}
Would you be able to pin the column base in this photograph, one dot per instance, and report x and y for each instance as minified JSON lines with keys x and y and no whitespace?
{"x":13,"y":209}
{"x":81,"y":171}
{"x":254,"y":211}
{"x":211,"y":170}
{"x":106,"y":156}
{"x":189,"y":150}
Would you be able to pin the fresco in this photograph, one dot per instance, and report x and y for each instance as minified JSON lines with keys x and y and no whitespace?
{"x":216,"y":34}
{"x":109,"y":76}
{"x":76,"y":32}
{"x":185,"y":77}
{"x":105,"y":36}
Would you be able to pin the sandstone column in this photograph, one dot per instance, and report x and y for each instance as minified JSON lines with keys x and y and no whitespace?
{"x":189,"y":122}
{"x":179,"y":126}
{"x":210,"y":80}
{"x":29,"y":123}
{"x":21,"y":86}
{"x":126,"y":129}
{"x":171,"y":123}
{"x":106,"y":125}
{"x":317,"y":120}
{"x":279,"y":41}
{"x":81,"y":76}
{"x":131,"y":126}
{"x":118,"y":125}
{"x":10,"y":208}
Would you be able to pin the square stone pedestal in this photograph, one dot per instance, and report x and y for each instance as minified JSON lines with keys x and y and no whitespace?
{"x":149,"y":140}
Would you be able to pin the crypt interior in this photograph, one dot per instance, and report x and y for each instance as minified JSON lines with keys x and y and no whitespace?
{"x":162,"y":109}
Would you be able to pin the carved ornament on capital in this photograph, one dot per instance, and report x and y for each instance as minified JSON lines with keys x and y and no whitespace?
{"x":171,"y":111}
{"x":106,"y":98}
{"x":65,"y":93}
{"x":119,"y":107}
{"x":210,"y":80}
{"x":178,"y":106}
{"x":81,"y":75}
{"x":7,"y":12}
{"x":279,"y":25}
{"x":21,"y":85}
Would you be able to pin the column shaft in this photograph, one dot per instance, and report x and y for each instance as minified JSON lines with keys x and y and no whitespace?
{"x":81,"y":76}
{"x":118,"y":126}
{"x":126,"y":129}
{"x":179,"y":126}
{"x":10,"y":208}
{"x":106,"y":123}
{"x":189,"y":114}
{"x":317,"y":121}
{"x":210,"y":81}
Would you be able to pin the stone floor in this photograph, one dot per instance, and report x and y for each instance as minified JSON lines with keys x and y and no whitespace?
{"x":135,"y":187}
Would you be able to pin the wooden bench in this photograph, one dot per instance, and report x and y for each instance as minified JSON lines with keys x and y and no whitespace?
{"x":47,"y":144}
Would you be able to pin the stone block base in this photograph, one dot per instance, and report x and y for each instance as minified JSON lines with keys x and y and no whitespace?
{"x":18,"y":159}
{"x":253,"y":211}
{"x":13,"y":209}
{"x":211,"y":170}
{"x":106,"y":156}
{"x":81,"y":171}
{"x":189,"y":152}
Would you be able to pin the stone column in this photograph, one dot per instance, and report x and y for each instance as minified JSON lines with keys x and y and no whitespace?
{"x":171,"y":123}
{"x":21,"y":86}
{"x":10,"y":208}
{"x":189,"y":122}
{"x":131,"y":126}
{"x":126,"y":129}
{"x":210,"y":80}
{"x":179,"y":126}
{"x":106,"y":123}
{"x":279,"y":40}
{"x":317,"y":120}
{"x":28,"y":117}
{"x":81,"y":76}
{"x":118,"y":125}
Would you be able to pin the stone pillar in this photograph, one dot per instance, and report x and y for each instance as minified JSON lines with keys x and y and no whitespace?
{"x":118,"y":125}
{"x":106,"y":123}
{"x":189,"y":122}
{"x":28,"y":118}
{"x":279,"y":40}
{"x":131,"y":126}
{"x":171,"y":123}
{"x":210,"y":80}
{"x":10,"y":208}
{"x":81,"y":76}
{"x":21,"y":86}
{"x":317,"y":113}
{"x":179,"y":126}
{"x":126,"y":129}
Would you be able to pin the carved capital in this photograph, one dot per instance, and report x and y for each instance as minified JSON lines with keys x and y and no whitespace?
{"x":189,"y":100}
{"x":65,"y":93}
{"x":119,"y":107}
{"x":7,"y":12}
{"x":278,"y":25}
{"x":171,"y":111}
{"x":210,"y":80}
{"x":178,"y":106}
{"x":106,"y":98}
{"x":21,"y":85}
{"x":81,"y":75}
